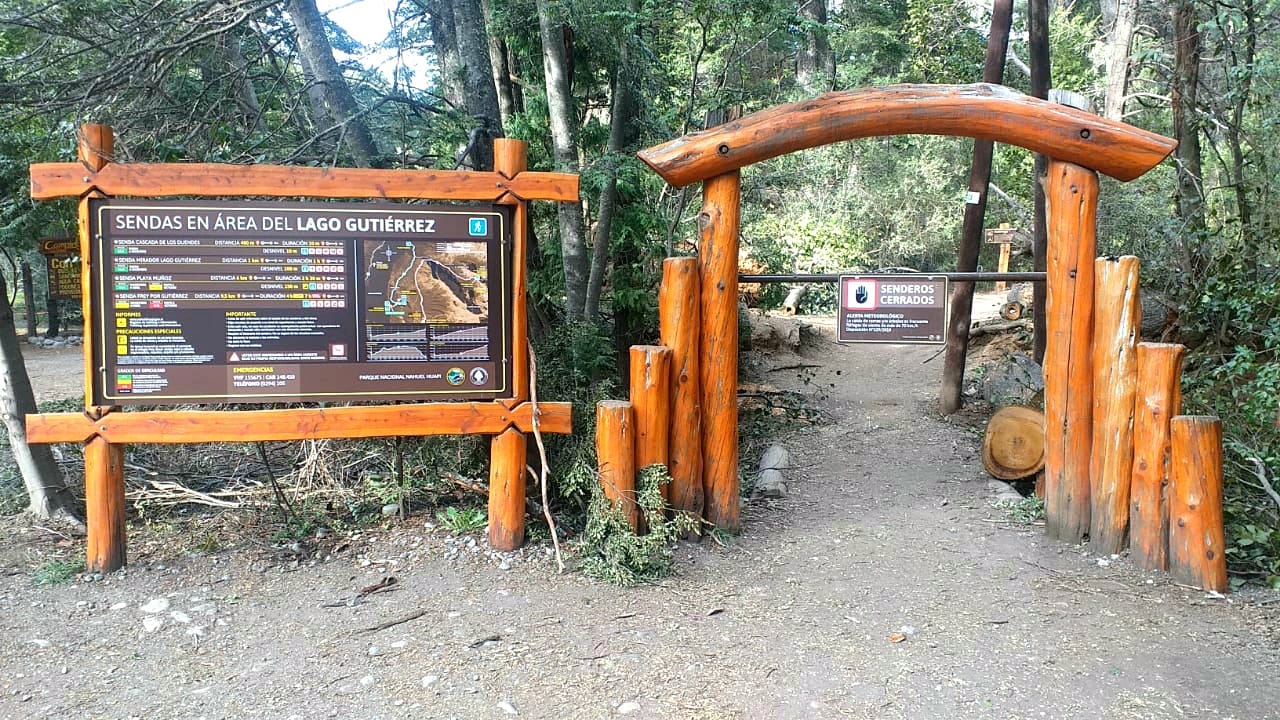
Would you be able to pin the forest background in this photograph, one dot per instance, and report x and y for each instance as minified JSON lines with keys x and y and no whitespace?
{"x":588,"y":82}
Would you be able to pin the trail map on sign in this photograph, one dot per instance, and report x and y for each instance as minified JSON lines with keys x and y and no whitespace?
{"x":426,"y":300}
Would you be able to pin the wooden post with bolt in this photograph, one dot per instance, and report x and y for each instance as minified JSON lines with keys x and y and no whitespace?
{"x":1196,"y":535}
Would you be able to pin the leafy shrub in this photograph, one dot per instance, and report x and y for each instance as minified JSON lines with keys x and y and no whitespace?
{"x":614,"y":553}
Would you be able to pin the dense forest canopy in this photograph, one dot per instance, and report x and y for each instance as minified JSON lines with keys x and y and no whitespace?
{"x":588,"y":82}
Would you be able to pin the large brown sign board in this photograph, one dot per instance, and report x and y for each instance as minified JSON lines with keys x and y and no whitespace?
{"x":902,"y":309}
{"x":62,"y":260}
{"x":214,"y":302}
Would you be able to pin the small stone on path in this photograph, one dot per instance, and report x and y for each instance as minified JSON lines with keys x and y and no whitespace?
{"x":508,"y":708}
{"x":627,"y":708}
{"x":157,"y":605}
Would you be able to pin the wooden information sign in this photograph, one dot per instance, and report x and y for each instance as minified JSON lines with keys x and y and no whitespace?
{"x":900,"y":309}
{"x":288,"y":302}
{"x":62,"y":260}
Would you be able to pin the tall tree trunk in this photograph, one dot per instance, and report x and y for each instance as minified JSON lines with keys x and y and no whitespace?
{"x":46,"y":486}
{"x":1038,"y":49}
{"x":1240,"y":98}
{"x":623,"y":131}
{"x":246,"y":96}
{"x":481,"y":97}
{"x":339,"y":103}
{"x":1186,"y":127}
{"x":1116,"y":51}
{"x":444,"y":38}
{"x":564,"y":140}
{"x":814,"y":67}
{"x":28,"y":298}
{"x":499,"y":59}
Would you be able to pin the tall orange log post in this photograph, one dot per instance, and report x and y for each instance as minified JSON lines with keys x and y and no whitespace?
{"x":1196,"y":535}
{"x":1159,"y":399}
{"x":1116,"y":320}
{"x":508,"y":451}
{"x":718,"y":223}
{"x":1071,"y":199}
{"x":680,"y":320}
{"x":103,"y":460}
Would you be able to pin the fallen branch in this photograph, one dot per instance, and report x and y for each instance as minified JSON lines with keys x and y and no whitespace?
{"x":995,"y":327}
{"x":542,"y":455}
{"x":793,"y":366}
{"x":1260,"y":472}
{"x":392,"y":623}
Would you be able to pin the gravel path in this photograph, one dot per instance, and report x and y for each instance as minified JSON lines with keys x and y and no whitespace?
{"x":888,"y":534}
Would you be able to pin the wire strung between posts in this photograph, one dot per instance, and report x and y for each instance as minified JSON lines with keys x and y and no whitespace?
{"x":542,"y":455}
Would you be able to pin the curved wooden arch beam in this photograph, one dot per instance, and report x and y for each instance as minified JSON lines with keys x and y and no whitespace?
{"x":990,"y":112}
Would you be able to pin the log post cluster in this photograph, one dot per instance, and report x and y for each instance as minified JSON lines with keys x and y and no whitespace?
{"x":1121,"y":465}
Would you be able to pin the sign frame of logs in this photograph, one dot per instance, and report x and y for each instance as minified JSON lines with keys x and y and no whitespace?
{"x":105,"y":430}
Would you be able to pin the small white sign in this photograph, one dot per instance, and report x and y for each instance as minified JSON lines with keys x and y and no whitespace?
{"x":972,"y":197}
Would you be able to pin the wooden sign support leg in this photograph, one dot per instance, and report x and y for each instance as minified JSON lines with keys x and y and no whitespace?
{"x":1159,"y":399}
{"x":1003,"y":265}
{"x":509,"y":451}
{"x":679,"y":317}
{"x":103,"y":461}
{"x":1071,"y":196}
{"x":718,"y":255}
{"x":1115,"y":388}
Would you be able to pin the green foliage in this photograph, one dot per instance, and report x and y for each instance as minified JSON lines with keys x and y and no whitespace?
{"x":56,"y":572}
{"x":613,"y":552}
{"x":945,"y":46}
{"x":460,"y":521}
{"x":1234,"y":372}
{"x":1026,"y":511}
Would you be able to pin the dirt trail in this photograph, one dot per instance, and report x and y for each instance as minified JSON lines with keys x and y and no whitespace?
{"x":888,"y":529}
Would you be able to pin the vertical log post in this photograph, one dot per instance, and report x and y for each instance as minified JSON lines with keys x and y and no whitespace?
{"x":507,"y":489}
{"x":616,"y":455}
{"x":1002,"y":265}
{"x":679,"y":319}
{"x":508,"y":451}
{"x":651,"y":400}
{"x":1116,"y":319}
{"x":1196,"y":536}
{"x":103,"y":462}
{"x":718,"y":255}
{"x":1159,"y":399}
{"x":1071,"y":198}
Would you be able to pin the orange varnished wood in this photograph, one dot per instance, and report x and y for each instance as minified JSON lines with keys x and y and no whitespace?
{"x":989,"y":112}
{"x":1071,"y":199}
{"x":1159,"y":399}
{"x":104,"y":503}
{"x":55,"y":180}
{"x":616,"y":455}
{"x":651,"y":398}
{"x":1196,"y":535}
{"x":104,"y":506}
{"x":718,"y":365}
{"x":197,"y":426}
{"x":506,"y":490}
{"x":1116,"y":319}
{"x":680,"y":318}
{"x":510,"y":160}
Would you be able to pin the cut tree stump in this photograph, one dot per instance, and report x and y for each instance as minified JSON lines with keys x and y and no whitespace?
{"x":1013,"y":445}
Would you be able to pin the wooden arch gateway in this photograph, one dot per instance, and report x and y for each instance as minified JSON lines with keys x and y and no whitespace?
{"x":1079,"y":145}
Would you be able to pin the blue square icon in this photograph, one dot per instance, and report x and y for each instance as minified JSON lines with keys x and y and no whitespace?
{"x":478,"y":226}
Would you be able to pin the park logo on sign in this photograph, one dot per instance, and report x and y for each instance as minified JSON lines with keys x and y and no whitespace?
{"x":860,"y":294}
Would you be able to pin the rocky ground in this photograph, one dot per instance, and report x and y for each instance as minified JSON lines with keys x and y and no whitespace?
{"x":884,"y":585}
